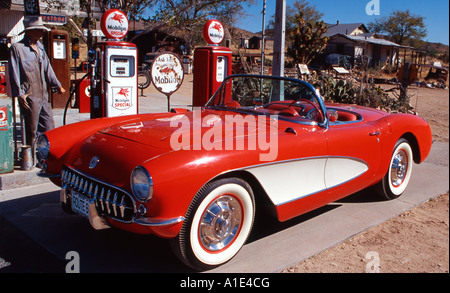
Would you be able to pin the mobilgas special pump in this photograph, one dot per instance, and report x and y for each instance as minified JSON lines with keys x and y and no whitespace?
{"x":212,"y":64}
{"x":114,"y":90}
{"x":113,"y":70}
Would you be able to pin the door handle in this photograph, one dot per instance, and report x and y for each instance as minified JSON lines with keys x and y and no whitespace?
{"x":376,"y":133}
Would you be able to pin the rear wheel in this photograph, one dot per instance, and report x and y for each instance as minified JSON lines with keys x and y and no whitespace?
{"x":398,"y":175}
{"x":218,"y":222}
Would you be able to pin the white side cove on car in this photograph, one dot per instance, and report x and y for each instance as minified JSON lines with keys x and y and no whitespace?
{"x":291,"y":180}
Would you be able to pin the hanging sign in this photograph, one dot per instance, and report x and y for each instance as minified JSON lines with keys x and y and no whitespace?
{"x":114,"y":24}
{"x":213,"y":32}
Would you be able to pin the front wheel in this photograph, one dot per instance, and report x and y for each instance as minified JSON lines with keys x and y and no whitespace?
{"x":397,"y":177}
{"x":218,"y":222}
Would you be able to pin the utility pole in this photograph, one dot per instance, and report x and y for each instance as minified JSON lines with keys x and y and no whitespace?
{"x":280,"y":37}
{"x":263,"y":45}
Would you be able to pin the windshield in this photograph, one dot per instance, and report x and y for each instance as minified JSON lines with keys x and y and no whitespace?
{"x":282,"y":96}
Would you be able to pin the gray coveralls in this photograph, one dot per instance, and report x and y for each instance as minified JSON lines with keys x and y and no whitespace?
{"x":32,"y":74}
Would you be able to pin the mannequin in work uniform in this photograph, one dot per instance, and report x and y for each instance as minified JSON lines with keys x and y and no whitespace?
{"x":31,"y":75}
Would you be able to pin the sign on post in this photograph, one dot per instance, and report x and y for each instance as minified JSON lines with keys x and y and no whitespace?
{"x":114,"y":24}
{"x":31,"y":7}
{"x":167,"y":74}
{"x":213,"y":32}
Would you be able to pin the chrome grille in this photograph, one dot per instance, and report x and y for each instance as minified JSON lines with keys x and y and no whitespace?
{"x":109,"y":200}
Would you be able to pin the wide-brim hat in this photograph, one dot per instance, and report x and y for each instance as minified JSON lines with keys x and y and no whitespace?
{"x":34,"y":23}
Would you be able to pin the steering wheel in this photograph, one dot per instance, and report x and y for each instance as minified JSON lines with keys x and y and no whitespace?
{"x":310,"y":115}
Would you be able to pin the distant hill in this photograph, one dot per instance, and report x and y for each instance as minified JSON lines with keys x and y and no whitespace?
{"x":436,"y":47}
{"x":238,"y":32}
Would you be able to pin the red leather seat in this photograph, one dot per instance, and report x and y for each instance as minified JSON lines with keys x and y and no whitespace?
{"x":346,"y":116}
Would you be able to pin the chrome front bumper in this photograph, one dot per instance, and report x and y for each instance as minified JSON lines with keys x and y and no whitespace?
{"x":99,"y":222}
{"x":106,"y":201}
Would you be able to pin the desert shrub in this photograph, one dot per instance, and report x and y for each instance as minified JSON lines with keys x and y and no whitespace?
{"x":348,"y":91}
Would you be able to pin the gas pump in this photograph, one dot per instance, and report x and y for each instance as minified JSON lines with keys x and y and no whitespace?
{"x":212,"y":64}
{"x":114,"y":81}
{"x":58,"y":44}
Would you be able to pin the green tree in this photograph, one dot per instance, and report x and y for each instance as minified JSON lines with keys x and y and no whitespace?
{"x":400,"y":26}
{"x":309,"y":12}
{"x":307,"y":40}
{"x":304,"y":31}
{"x":189,"y":16}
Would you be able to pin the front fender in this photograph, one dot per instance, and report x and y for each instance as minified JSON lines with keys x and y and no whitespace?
{"x":64,"y":138}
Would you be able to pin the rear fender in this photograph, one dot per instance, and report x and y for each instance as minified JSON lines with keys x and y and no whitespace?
{"x":414,"y":129}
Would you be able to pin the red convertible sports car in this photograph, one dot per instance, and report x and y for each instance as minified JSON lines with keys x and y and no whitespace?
{"x":195,"y":177}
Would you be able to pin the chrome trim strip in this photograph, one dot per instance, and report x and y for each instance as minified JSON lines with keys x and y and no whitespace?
{"x":295,"y":160}
{"x":158,"y":222}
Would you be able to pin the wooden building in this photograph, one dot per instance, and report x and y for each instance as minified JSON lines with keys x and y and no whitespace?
{"x":356,"y":41}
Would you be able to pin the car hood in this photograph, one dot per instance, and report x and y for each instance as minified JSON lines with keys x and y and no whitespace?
{"x":162,"y":131}
{"x":121,"y":147}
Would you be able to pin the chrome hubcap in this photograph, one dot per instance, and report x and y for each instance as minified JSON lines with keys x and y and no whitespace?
{"x":220,"y":223}
{"x":399,"y":168}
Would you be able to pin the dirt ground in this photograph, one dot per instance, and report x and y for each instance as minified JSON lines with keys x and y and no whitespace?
{"x":416,"y":241}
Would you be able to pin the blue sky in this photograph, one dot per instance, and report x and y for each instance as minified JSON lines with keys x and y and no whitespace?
{"x":435,"y":12}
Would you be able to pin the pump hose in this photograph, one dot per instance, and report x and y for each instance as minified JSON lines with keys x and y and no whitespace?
{"x":75,"y":88}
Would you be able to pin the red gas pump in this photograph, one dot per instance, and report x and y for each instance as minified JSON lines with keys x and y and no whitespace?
{"x":115,"y":82}
{"x":212,"y":64}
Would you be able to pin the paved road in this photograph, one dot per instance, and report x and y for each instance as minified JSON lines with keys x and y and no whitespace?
{"x":37,"y":235}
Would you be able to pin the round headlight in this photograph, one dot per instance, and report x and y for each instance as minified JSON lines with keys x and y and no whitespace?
{"x":43,"y":147}
{"x":141,"y":184}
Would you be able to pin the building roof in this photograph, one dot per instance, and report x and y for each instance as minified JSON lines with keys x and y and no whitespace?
{"x":363,"y":39}
{"x":345,"y":29}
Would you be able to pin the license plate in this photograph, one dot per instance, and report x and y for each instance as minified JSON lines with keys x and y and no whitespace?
{"x":80,"y":204}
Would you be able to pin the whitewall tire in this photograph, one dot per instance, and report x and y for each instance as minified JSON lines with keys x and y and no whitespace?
{"x":218,"y":222}
{"x":398,"y":175}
